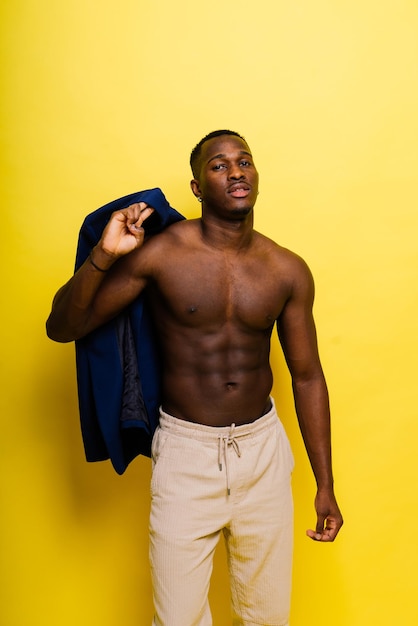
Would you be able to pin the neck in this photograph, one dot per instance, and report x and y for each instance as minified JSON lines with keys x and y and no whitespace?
{"x":233,"y":234}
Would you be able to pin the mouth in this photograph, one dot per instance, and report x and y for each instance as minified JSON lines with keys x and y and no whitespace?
{"x":239,"y":190}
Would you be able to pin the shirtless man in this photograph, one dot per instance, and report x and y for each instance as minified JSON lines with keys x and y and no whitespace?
{"x":221,"y":460}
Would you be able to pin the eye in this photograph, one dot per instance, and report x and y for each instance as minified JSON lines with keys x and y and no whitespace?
{"x":218,"y":166}
{"x":245,"y":163}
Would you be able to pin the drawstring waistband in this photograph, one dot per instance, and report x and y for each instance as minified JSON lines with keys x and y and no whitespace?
{"x":223,"y":437}
{"x":224,"y":442}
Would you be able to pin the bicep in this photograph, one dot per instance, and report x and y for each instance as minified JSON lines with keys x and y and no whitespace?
{"x":296,"y":328}
{"x":121,"y":286}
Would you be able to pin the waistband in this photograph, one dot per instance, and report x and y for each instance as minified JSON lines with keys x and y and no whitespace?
{"x":202,"y":432}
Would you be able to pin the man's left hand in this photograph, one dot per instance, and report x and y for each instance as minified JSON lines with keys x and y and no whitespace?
{"x":329,"y":518}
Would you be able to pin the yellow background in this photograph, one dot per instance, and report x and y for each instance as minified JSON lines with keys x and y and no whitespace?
{"x":100,"y":99}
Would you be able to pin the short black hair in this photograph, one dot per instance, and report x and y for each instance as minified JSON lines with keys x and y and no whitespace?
{"x":197,"y":150}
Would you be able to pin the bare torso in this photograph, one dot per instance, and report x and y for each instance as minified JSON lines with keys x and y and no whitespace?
{"x":215,"y":310}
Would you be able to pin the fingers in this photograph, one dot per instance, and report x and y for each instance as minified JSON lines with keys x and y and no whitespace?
{"x":314,"y":535}
{"x":317,"y":534}
{"x":124,"y":231}
{"x":327,"y":534}
{"x":326,"y":529}
{"x":135,"y":216}
{"x":329,"y":519}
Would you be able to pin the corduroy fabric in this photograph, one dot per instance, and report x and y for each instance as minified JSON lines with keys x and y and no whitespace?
{"x":193,"y":466}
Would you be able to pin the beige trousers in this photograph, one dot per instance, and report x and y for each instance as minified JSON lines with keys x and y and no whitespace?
{"x":233,"y":480}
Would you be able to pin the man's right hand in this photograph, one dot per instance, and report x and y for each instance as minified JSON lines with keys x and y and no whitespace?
{"x":73,"y":314}
{"x":124,"y":232}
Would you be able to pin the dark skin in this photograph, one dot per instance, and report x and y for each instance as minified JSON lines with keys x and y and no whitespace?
{"x":217,"y":289}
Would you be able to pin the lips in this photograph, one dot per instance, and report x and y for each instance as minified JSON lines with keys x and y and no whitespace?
{"x":239,"y":190}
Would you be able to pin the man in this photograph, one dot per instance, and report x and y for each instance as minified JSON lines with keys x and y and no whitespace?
{"x":221,"y":460}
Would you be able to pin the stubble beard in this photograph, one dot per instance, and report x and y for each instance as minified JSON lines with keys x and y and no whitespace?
{"x":242,"y":212}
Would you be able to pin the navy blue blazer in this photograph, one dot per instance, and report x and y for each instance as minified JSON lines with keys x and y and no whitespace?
{"x":118,"y":365}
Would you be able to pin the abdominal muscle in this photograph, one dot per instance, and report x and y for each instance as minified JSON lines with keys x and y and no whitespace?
{"x":217,"y":378}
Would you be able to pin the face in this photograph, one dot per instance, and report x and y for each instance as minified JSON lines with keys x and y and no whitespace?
{"x":228,"y":179}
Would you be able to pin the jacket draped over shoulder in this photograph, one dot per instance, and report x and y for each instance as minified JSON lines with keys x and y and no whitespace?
{"x":118,"y":366}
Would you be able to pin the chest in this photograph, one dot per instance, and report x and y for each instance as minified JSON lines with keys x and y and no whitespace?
{"x":204,"y":289}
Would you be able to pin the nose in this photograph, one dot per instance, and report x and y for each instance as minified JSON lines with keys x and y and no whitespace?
{"x":235,"y":172}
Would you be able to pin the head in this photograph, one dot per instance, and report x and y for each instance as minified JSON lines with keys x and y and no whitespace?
{"x":225,"y":178}
{"x":196,"y":154}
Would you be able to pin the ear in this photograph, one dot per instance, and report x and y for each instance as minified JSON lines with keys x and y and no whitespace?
{"x":195,"y":187}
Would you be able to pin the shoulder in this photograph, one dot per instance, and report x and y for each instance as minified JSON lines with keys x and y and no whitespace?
{"x":158,"y":249}
{"x":173,"y":239}
{"x":289,"y":270}
{"x":284,"y":259}
{"x":174,"y":233}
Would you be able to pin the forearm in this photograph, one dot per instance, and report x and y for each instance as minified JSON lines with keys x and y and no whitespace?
{"x":73,"y":304}
{"x":312,"y":407}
